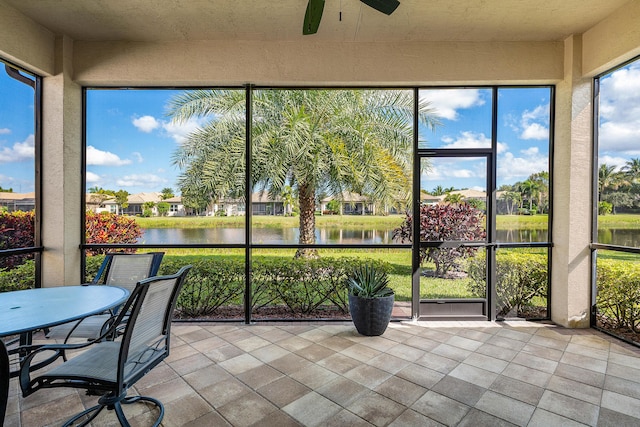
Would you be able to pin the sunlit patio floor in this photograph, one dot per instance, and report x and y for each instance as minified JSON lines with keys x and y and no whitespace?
{"x":416,"y":374}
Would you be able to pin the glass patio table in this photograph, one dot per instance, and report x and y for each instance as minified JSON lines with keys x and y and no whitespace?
{"x":22,"y":312}
{"x":31,"y":309}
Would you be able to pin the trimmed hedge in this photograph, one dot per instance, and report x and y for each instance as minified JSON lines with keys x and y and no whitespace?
{"x":301,"y":285}
{"x":618,"y":298}
{"x":521,"y":277}
{"x":21,"y":277}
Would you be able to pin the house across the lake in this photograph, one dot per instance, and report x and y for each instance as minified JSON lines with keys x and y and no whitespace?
{"x":135,"y":204}
{"x":17,"y":201}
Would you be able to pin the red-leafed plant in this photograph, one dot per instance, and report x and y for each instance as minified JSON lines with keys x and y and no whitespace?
{"x":106,"y":227}
{"x":16,"y":231}
{"x":445,"y":222}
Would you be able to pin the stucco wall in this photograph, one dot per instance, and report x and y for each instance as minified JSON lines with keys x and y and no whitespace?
{"x":309,"y":63}
{"x":612,"y":41}
{"x":25,"y":43}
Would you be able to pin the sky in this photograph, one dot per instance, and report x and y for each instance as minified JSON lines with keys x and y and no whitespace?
{"x":131,"y":140}
{"x":619,"y":127}
{"x":465,"y":116}
{"x":17,"y":150}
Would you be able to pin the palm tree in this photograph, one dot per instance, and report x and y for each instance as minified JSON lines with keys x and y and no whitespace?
{"x":632,"y":170}
{"x":312,"y":140}
{"x":166,"y":193}
{"x":511,"y":199}
{"x":453,"y":198}
{"x":542,"y":186}
{"x":608,"y":178}
{"x":529,"y":190}
{"x":438,"y":191}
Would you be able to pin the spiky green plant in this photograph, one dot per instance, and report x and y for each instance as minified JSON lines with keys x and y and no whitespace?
{"x":368,"y":281}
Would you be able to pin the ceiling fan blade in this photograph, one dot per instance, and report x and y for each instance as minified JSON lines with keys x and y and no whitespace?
{"x":385,"y":6}
{"x":312,"y":17}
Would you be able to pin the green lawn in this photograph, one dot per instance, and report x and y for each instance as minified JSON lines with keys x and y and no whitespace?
{"x":619,"y":221}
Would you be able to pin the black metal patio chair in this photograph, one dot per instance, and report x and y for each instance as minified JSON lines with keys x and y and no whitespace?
{"x":117,"y":269}
{"x":111,"y":367}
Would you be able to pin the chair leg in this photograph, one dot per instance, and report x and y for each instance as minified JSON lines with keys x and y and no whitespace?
{"x":116,"y":406}
{"x":95,"y":409}
{"x":4,"y":380}
{"x":134,"y":399}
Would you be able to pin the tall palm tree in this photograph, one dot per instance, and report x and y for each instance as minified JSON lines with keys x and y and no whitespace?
{"x":312,"y":140}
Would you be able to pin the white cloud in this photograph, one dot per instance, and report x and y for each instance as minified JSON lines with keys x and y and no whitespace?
{"x":92,"y":178}
{"x":146,"y":124}
{"x":177,"y":131}
{"x":5,"y":131}
{"x":535,"y":124}
{"x":97,"y":157}
{"x":535,"y":131}
{"x":20,"y":151}
{"x":448,"y":171}
{"x":619,"y":109}
{"x":138,"y":156}
{"x":446,"y":102}
{"x":180,"y":131}
{"x":618,"y":162}
{"x":469,"y":139}
{"x":512,"y":168}
{"x":141,"y":180}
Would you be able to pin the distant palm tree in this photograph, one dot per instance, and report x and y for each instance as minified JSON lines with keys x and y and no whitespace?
{"x":529,"y":190}
{"x":453,"y":198}
{"x":438,"y":191}
{"x":632,"y":170}
{"x":609,"y":179}
{"x":511,"y":199}
{"x":312,"y":140}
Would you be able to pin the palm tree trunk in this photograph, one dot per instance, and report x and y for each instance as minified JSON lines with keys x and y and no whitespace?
{"x":307,"y":199}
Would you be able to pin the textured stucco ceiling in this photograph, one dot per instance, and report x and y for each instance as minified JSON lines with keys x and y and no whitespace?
{"x":414,"y":20}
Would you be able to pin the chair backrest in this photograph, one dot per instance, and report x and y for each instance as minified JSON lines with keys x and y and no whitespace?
{"x":125,"y":270}
{"x":145,"y":341}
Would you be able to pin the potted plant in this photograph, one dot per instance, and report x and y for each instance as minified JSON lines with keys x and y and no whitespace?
{"x":370,"y":299}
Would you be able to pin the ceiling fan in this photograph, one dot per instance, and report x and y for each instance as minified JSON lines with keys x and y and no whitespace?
{"x":315,"y":7}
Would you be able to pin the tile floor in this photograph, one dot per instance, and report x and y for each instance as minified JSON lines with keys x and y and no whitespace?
{"x":416,"y":374}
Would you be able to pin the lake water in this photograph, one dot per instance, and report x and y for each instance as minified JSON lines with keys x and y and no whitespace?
{"x":290,"y":236}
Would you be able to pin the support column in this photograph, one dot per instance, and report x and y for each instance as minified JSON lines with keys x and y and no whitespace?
{"x":571,"y":263}
{"x":61,"y":171}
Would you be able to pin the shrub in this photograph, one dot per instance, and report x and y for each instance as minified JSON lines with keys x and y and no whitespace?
{"x":20,"y":277}
{"x":520,"y":277}
{"x":163,"y":208}
{"x":106,"y":227}
{"x":604,"y":208}
{"x":302,"y":285}
{"x":618,"y":297}
{"x":333,"y":207}
{"x":445,"y":222}
{"x":16,"y":231}
{"x":210,"y":284}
